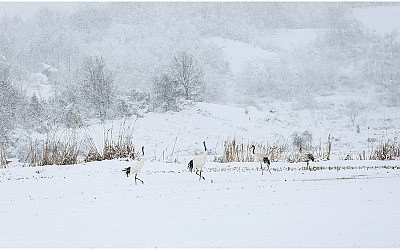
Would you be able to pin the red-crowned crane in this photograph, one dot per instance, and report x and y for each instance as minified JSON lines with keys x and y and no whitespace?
{"x":261,"y":158}
{"x":135,"y":168}
{"x":198,"y":163}
{"x":306,"y":156}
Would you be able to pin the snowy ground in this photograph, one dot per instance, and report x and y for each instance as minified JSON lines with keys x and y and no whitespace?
{"x":96,"y":205}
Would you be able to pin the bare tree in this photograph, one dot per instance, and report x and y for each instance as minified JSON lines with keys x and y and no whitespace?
{"x":354,"y":109}
{"x":189,"y":76}
{"x":97,"y":85}
{"x":303,"y":140}
{"x":166,"y":93}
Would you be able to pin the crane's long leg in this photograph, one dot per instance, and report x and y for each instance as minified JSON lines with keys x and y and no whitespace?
{"x":262,"y":169}
{"x":200,"y":175}
{"x":269,"y":170}
{"x":138,"y":179}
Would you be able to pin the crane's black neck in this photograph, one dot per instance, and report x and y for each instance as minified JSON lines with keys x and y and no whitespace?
{"x":205,"y":148}
{"x":143,"y":150}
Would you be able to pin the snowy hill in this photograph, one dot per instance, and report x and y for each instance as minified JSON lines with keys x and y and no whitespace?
{"x":291,"y":39}
{"x":181,"y":133}
{"x":238,"y":53}
{"x":383,"y":19}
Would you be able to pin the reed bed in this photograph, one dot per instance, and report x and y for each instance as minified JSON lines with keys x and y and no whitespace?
{"x":54,"y":149}
{"x":113,"y":148}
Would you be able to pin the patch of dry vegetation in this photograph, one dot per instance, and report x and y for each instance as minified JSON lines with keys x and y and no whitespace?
{"x":241,"y":152}
{"x":113,"y":148}
{"x":55,"y":149}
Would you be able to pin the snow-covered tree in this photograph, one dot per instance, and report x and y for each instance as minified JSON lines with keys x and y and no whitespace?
{"x":97,"y":87}
{"x":302,"y":140}
{"x":188,"y":75}
{"x":10,"y":102}
{"x":166,"y":93}
{"x":35,"y":111}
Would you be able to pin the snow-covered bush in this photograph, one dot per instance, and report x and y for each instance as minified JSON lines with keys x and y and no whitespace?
{"x":182,"y":81}
{"x":67,"y":110}
{"x":137,"y":102}
{"x":12,"y":104}
{"x":391,"y":96}
{"x":264,"y":78}
{"x":353,"y":109}
{"x":97,"y":88}
{"x":166,"y":94}
{"x":188,"y":75}
{"x":302,"y":140}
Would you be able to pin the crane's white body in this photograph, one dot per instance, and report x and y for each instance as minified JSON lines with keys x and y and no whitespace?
{"x":198,"y":163}
{"x":258,"y":157}
{"x":261,"y":158}
{"x":306,"y":156}
{"x":137,"y":166}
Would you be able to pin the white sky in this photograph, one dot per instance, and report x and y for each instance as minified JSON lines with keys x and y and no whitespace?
{"x":28,"y":9}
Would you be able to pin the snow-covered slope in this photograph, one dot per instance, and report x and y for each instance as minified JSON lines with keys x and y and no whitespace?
{"x":291,"y":39}
{"x":238,"y":53}
{"x":180,"y":134}
{"x":382,"y":19}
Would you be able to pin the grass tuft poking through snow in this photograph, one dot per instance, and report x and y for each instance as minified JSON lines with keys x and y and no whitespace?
{"x":388,"y":150}
{"x":113,"y":148}
{"x":55,"y":149}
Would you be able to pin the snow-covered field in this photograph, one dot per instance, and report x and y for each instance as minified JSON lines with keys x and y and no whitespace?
{"x":96,"y":205}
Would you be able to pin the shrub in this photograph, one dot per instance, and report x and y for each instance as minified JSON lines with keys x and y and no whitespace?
{"x":388,"y":150}
{"x":303,"y":140}
{"x":54,"y":149}
{"x":121,"y":147}
{"x":241,"y":152}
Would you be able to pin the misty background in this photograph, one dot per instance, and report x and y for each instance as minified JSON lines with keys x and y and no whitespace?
{"x":72,"y":64}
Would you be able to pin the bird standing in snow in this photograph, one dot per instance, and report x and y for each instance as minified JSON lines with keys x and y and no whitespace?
{"x":135,"y":168}
{"x":306,"y":156}
{"x":261,"y":158}
{"x":198,"y":163}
